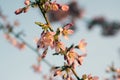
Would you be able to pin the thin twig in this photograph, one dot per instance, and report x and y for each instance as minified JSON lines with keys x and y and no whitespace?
{"x":28,"y":45}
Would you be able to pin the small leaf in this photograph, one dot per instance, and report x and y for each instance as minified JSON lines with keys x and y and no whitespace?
{"x":39,"y":23}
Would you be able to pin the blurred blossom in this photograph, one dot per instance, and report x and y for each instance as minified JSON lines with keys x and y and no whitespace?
{"x":21,"y":45}
{"x":36,"y":39}
{"x":114,"y":71}
{"x":36,"y":68}
{"x":89,"y":77}
{"x":14,"y":42}
{"x":108,"y":28}
{"x":82,"y":45}
{"x":27,"y":2}
{"x":3,"y":17}
{"x":71,"y":10}
{"x":16,"y":23}
{"x":65,"y":7}
{"x":18,"y":11}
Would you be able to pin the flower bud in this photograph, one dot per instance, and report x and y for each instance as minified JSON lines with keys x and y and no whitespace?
{"x":18,"y":11}
{"x":58,"y":72}
{"x":54,"y":7}
{"x":65,"y":7}
{"x":27,"y":2}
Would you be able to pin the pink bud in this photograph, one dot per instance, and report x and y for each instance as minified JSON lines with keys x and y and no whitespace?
{"x":55,"y":7}
{"x":18,"y":11}
{"x":65,"y":7}
{"x":27,"y":2}
{"x":57,"y":72}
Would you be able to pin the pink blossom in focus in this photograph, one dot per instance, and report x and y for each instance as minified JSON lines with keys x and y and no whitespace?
{"x":46,"y":40}
{"x":66,"y":31}
{"x":71,"y":56}
{"x":58,"y":46}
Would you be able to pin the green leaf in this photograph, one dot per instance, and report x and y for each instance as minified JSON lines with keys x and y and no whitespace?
{"x":39,"y":24}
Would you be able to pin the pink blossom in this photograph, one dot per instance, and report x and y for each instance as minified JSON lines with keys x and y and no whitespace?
{"x":46,"y":40}
{"x":81,"y":58}
{"x":90,"y":77}
{"x":66,"y":31}
{"x":82,"y":45}
{"x":118,"y":70}
{"x":95,"y":78}
{"x":108,"y":69}
{"x":71,"y":56}
{"x":20,"y":10}
{"x":20,"y":46}
{"x":37,"y":68}
{"x":27,"y":2}
{"x":58,"y":46}
{"x":14,"y":41}
{"x":36,"y":39}
{"x":7,"y":36}
{"x":54,"y":7}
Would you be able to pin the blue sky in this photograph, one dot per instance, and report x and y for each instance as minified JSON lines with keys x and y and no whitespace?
{"x":16,"y":64}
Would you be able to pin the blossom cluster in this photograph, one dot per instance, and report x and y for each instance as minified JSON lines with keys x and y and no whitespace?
{"x":8,"y":29}
{"x":115,"y":72}
{"x":75,"y":11}
{"x":13,"y":41}
{"x":45,"y":5}
{"x":52,"y":39}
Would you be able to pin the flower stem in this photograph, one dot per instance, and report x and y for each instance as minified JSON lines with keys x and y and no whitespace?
{"x":44,"y":15}
{"x":75,"y":74}
{"x":27,"y":44}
